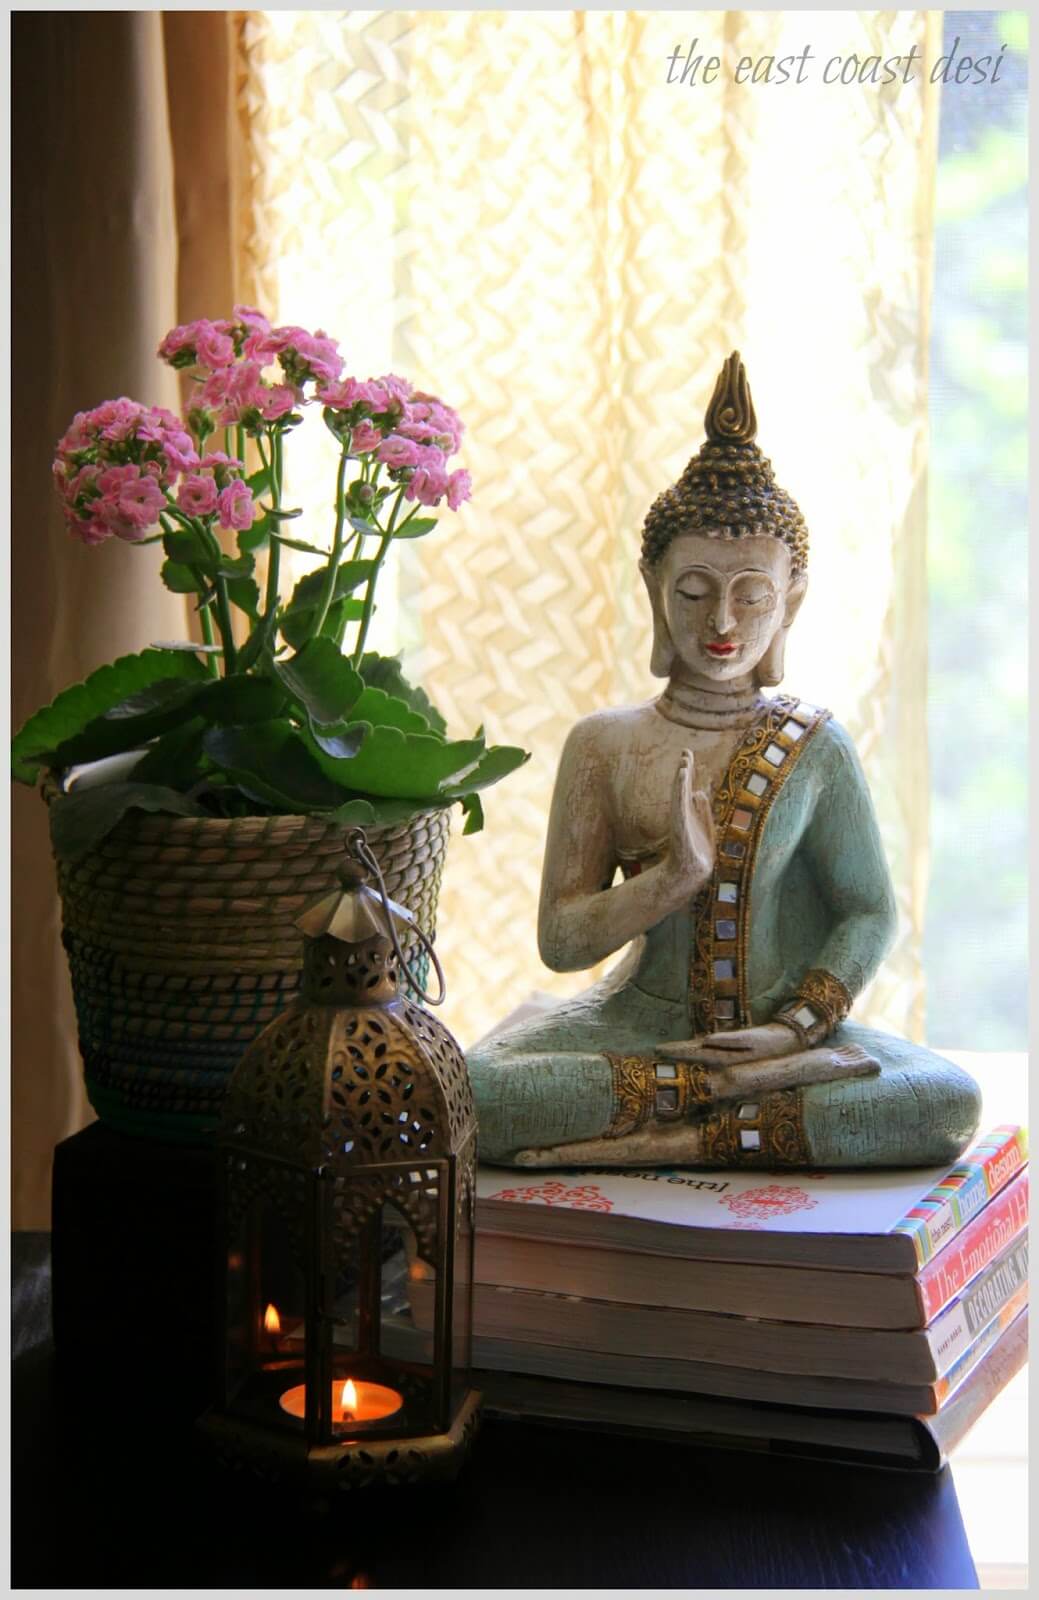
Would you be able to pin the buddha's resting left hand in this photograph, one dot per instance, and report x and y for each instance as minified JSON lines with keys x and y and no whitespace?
{"x":767,"y":1042}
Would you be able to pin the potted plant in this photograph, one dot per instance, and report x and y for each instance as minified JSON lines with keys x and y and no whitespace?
{"x":200,"y":792}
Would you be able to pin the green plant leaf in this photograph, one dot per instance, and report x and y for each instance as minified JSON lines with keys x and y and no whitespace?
{"x":239,"y":698}
{"x":384,"y":710}
{"x":349,"y":576}
{"x":175,"y":757}
{"x":493,"y":765}
{"x":128,"y":725}
{"x":359,"y":812}
{"x":235,"y":566}
{"x":79,"y":821}
{"x":381,"y":813}
{"x":259,"y":481}
{"x":245,"y":594}
{"x":186,"y":546}
{"x":341,"y":742}
{"x":321,"y":680}
{"x":188,"y":644}
{"x":415,"y":528}
{"x":180,"y":579}
{"x":362,"y":525}
{"x":297,"y":628}
{"x":83,"y":703}
{"x":301,"y":544}
{"x":384,"y":672}
{"x":254,"y":538}
{"x":472,"y":806}
{"x":402,"y":766}
{"x":269,"y":762}
{"x":261,"y":638}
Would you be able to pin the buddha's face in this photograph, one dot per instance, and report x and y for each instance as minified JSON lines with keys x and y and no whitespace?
{"x":723,"y":602}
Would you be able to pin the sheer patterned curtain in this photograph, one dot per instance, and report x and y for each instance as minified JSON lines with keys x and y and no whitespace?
{"x":518,"y":211}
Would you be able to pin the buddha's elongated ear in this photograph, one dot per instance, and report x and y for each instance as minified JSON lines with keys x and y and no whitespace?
{"x":662,"y":656}
{"x":769,"y":670}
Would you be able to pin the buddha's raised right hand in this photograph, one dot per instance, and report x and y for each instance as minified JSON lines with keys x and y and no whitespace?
{"x":690,"y":853}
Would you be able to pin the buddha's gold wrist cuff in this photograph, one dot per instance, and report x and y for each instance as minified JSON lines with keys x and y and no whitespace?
{"x":820,"y":1003}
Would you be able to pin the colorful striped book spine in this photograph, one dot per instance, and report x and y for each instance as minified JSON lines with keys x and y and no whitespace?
{"x":991,"y":1231}
{"x":946,"y":1386}
{"x":952,"y":1333}
{"x":988,"y":1167}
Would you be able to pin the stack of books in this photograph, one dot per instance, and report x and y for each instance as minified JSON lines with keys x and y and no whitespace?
{"x":869,"y":1315}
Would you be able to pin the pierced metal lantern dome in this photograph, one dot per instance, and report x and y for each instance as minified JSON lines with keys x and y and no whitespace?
{"x":348,"y":1146}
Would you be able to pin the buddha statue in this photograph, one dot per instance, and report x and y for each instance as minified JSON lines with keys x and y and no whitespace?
{"x":728,"y":837}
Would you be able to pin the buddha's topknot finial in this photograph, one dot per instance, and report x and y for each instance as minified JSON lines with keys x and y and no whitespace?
{"x":728,"y":490}
{"x":730,"y":416}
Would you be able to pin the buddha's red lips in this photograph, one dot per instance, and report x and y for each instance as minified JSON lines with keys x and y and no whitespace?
{"x":721,"y":649}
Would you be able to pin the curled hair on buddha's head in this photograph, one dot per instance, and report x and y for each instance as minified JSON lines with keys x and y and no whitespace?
{"x":728,"y":490}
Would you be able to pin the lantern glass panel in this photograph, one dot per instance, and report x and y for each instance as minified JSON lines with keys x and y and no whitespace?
{"x":266,"y":1299}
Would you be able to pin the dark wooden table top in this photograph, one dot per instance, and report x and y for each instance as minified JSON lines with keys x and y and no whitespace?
{"x":114,"y":1496}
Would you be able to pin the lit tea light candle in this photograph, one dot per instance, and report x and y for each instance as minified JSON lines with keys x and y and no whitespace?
{"x":351,"y":1402}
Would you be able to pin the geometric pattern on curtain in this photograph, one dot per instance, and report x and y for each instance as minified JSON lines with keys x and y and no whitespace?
{"x":518,"y":211}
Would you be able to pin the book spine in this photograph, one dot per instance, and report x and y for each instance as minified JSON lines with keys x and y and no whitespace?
{"x":980,"y":1304}
{"x":1004,"y":1362}
{"x":990,"y":1232}
{"x":950,"y":1205}
{"x":947,"y":1385}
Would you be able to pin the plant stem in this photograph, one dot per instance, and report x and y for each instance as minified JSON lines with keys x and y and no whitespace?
{"x":206,"y":624}
{"x":273,"y":549}
{"x":328,"y":589}
{"x":223,"y":610}
{"x":369,"y":593}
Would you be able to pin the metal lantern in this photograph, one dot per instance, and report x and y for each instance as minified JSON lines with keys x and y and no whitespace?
{"x":348,"y":1148}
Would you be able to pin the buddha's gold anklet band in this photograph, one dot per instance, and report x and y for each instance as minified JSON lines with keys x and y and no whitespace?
{"x":764,"y":1131}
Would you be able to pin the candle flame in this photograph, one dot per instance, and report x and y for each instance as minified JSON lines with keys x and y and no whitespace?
{"x":348,"y":1398}
{"x":271,"y":1320}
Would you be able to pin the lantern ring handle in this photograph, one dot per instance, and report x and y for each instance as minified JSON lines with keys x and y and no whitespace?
{"x":362,"y":850}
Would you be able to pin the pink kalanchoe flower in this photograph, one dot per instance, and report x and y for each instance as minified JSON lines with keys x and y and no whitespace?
{"x":252,"y":319}
{"x":118,"y":420}
{"x":213,"y":347}
{"x":223,"y":467}
{"x":129,"y":503}
{"x":428,"y":420}
{"x":395,"y":451}
{"x":178,"y":458}
{"x":197,"y":496}
{"x":180,"y":341}
{"x":307,"y":357}
{"x":231,"y":392}
{"x":459,"y":488}
{"x":428,"y":485}
{"x":277,"y":400}
{"x":364,"y":437}
{"x":236,"y":505}
{"x":396,"y":388}
{"x":350,"y":392}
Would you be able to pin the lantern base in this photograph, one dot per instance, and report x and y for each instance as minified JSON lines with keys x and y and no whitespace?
{"x":345,"y":1464}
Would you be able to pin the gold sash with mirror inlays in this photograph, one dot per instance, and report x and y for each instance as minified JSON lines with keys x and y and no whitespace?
{"x":768,"y":1131}
{"x":718,"y":997}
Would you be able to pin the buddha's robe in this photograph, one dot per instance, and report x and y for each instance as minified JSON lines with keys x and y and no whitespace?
{"x":801,"y":887}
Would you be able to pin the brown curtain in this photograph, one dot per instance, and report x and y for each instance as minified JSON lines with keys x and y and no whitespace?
{"x":108,"y":109}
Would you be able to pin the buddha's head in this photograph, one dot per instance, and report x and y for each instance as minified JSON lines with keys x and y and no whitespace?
{"x":724,"y":553}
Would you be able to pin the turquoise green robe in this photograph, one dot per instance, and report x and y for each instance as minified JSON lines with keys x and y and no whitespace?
{"x":817,"y":896}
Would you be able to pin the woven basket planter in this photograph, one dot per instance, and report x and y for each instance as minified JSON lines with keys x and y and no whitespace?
{"x":181,"y":943}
